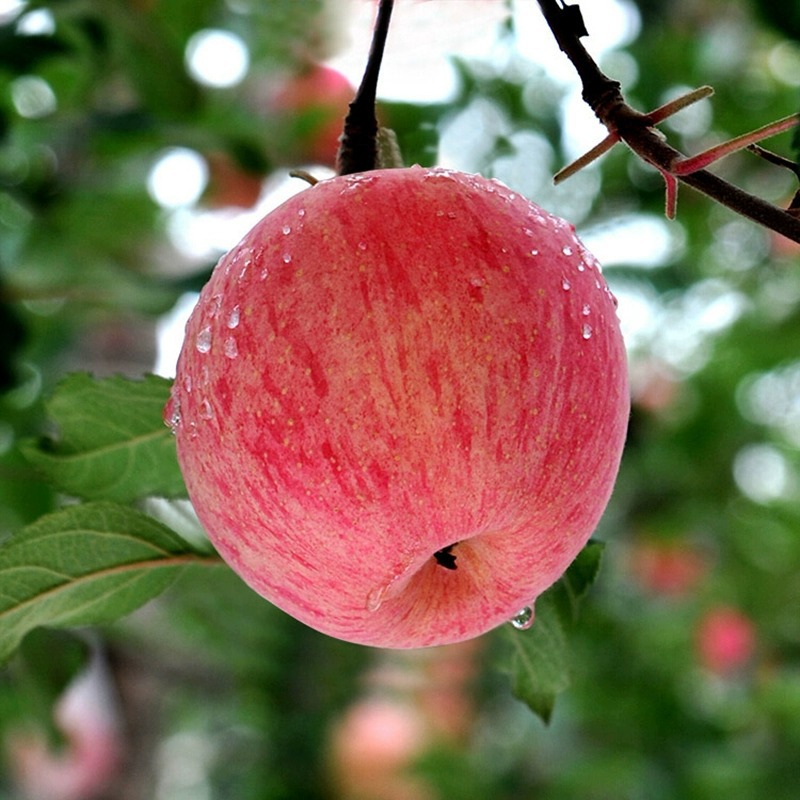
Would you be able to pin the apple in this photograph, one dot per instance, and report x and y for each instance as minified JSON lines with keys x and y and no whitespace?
{"x":670,"y":569}
{"x":373,"y":747}
{"x":400,"y":405}
{"x":725,"y":640}
{"x":316,"y":99}
{"x":229,"y":184}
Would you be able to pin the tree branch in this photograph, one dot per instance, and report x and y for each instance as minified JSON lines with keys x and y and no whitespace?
{"x":605,"y":98}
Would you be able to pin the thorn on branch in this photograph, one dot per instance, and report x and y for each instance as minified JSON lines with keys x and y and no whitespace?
{"x":685,"y":166}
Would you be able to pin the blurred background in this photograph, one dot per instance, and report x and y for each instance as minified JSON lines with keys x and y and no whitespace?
{"x":139,"y":139}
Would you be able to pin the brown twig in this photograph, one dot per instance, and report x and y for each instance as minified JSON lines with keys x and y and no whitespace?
{"x":358,"y":150}
{"x":604,"y":96}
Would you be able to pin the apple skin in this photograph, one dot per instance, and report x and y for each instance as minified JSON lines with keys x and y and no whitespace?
{"x":390,"y":364}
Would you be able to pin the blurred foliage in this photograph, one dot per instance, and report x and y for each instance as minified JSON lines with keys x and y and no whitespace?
{"x":217,"y":687}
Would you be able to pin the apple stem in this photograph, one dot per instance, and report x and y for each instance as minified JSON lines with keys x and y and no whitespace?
{"x":358,"y":146}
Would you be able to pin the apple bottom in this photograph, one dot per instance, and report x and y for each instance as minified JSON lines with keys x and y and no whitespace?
{"x":418,"y":603}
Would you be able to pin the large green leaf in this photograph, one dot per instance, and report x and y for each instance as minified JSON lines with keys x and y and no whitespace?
{"x":112,"y":443}
{"x":85,"y":564}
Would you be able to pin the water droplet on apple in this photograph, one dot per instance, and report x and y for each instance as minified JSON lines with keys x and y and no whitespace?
{"x":524,"y":618}
{"x":286,"y":229}
{"x":587,"y":331}
{"x":231,"y":349}
{"x":187,"y":383}
{"x":301,"y":212}
{"x":534,"y":252}
{"x":566,"y":285}
{"x":264,"y":273}
{"x":586,"y":310}
{"x":567,"y":251}
{"x":233,"y":318}
{"x":287,"y":258}
{"x":362,"y":246}
{"x":203,"y":340}
{"x":375,"y":598}
{"x":206,"y":412}
{"x":173,"y":415}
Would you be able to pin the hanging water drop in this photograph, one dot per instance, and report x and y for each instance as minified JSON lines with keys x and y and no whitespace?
{"x":524,"y":618}
{"x":566,"y":285}
{"x":587,"y":331}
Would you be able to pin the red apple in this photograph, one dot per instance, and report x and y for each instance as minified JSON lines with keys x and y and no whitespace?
{"x":725,"y":640}
{"x":317,"y":100}
{"x":401,"y":404}
{"x":373,"y":747}
{"x":670,"y":569}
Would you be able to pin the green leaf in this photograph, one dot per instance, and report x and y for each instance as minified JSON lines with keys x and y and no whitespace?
{"x":49,"y":660}
{"x":540,"y":656}
{"x":575,"y":583}
{"x":540,"y":660}
{"x":112,"y":443}
{"x":85,"y":564}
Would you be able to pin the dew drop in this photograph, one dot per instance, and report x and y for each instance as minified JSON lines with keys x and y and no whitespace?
{"x":264,"y":273}
{"x":231,"y":349}
{"x":233,"y":318}
{"x":187,"y":383}
{"x":206,"y":412}
{"x":566,"y":285}
{"x":534,"y":252}
{"x":362,"y":246}
{"x":203,"y":340}
{"x":587,"y":331}
{"x":174,"y":415}
{"x":524,"y":618}
{"x":287,"y":258}
{"x":286,"y":230}
{"x":586,"y":310}
{"x":567,"y":251}
{"x":301,"y":212}
{"x":375,"y":598}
